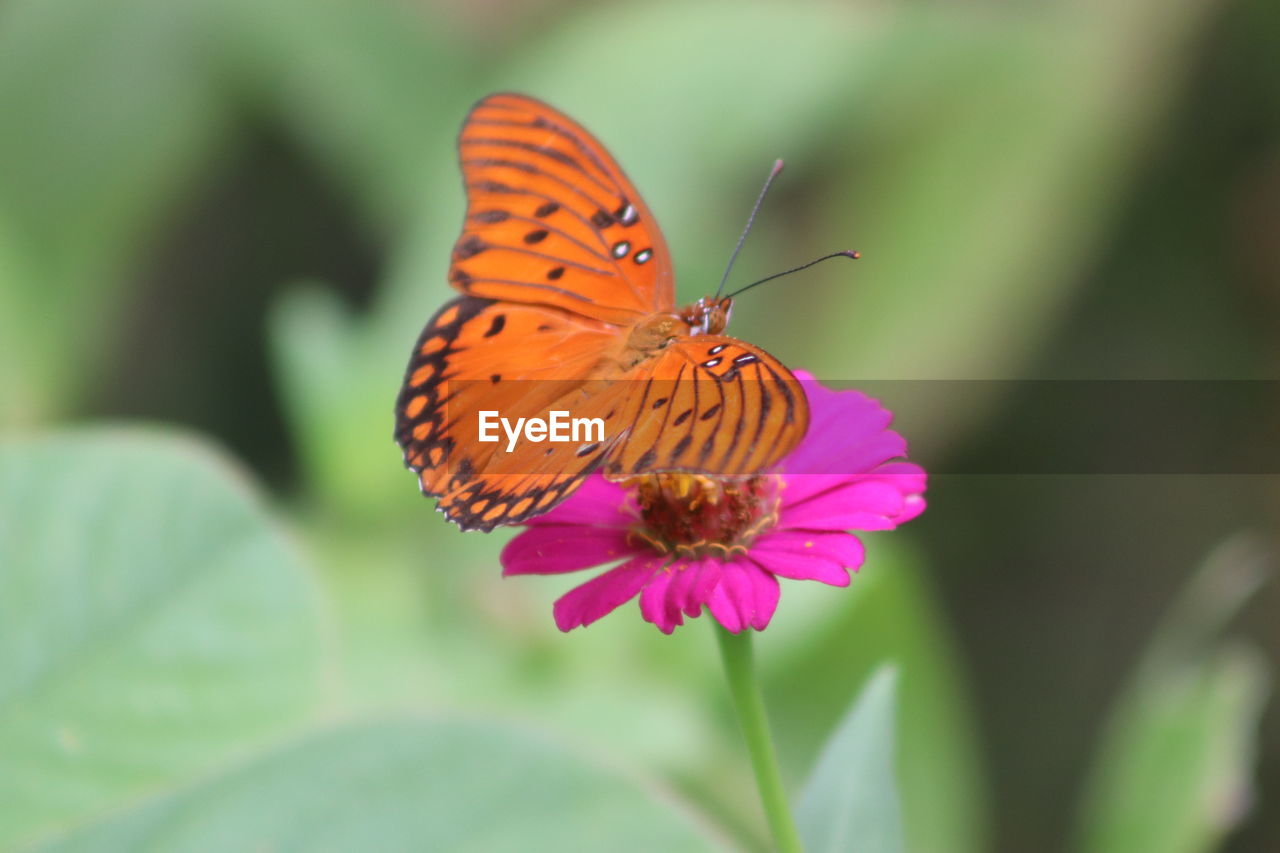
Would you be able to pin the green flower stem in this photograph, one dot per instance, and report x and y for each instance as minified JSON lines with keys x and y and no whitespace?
{"x":735,"y":651}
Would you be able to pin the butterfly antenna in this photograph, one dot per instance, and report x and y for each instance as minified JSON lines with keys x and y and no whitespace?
{"x":773,"y":173}
{"x":848,"y":253}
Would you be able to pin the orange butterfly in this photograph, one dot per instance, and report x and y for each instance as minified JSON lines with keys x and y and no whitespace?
{"x":569,"y":305}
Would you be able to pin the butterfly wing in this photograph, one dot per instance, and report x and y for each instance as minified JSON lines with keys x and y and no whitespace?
{"x":709,"y":404}
{"x":518,"y":361}
{"x":551,"y":218}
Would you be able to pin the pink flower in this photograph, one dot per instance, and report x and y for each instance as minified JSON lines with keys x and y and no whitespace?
{"x":683,"y":541}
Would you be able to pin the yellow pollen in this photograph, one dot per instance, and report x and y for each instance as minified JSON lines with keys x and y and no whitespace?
{"x":693,"y":515}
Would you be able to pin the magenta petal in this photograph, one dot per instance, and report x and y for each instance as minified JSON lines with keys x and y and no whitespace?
{"x":848,"y":434}
{"x":824,"y":557}
{"x":585,"y":604}
{"x":911,"y":507}
{"x":724,"y":608}
{"x":745,"y":596}
{"x":864,"y":505}
{"x":656,"y":603}
{"x":695,"y":586}
{"x":801,"y":487}
{"x":766,"y":590}
{"x":686,"y":576}
{"x":596,"y":503}
{"x":907,"y":477}
{"x":554,"y":549}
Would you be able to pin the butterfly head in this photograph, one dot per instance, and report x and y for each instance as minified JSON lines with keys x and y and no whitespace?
{"x":708,"y":316}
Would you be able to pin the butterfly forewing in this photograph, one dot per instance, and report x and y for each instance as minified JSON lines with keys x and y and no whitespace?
{"x":552,"y":219}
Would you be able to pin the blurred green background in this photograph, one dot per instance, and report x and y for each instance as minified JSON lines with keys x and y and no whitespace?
{"x":228,"y":220}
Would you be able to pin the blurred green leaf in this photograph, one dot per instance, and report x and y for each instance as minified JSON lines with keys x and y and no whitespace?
{"x":22,"y":397}
{"x":829,"y":641}
{"x":850,"y":801}
{"x":155,"y":622}
{"x":373,"y":91}
{"x":985,"y":139}
{"x":991,"y":156}
{"x":406,"y":785}
{"x":1175,"y":765}
{"x":342,"y":415}
{"x":110,"y":108}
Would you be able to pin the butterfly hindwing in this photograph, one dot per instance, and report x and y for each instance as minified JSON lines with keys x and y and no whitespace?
{"x":710,"y":404}
{"x":552,"y":219}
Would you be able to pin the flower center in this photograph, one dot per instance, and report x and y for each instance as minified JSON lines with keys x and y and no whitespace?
{"x":691,"y":515}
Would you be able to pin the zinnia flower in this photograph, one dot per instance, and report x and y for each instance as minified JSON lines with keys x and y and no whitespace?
{"x":686,"y":541}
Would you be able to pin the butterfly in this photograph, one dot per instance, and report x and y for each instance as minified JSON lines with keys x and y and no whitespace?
{"x":568,"y":303}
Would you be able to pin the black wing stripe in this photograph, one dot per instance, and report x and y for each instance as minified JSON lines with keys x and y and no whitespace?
{"x":669,"y":405}
{"x":540,"y":123}
{"x":520,"y":250}
{"x":553,"y":154}
{"x":766,"y":406}
{"x":531,"y":169}
{"x":562,"y":233}
{"x":709,"y":442}
{"x":622,"y":451}
{"x":496,"y":188}
{"x":548,"y":287}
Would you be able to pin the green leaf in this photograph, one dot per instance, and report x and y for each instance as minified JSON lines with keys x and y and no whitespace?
{"x":373,"y":91}
{"x":338,"y":394}
{"x":825,"y":642}
{"x":155,"y":622}
{"x":22,"y":392}
{"x":110,"y":108}
{"x":851,"y":799}
{"x":406,"y":785}
{"x":1174,"y":771}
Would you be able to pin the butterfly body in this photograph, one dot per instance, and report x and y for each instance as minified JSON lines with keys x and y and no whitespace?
{"x":568,"y":305}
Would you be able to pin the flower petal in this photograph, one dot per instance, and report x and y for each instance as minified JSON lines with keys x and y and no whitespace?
{"x":911,"y":507}
{"x":856,"y":505}
{"x":656,"y":604}
{"x":767,"y":593}
{"x":904,"y":478}
{"x":597,"y":597}
{"x":824,"y":557}
{"x":596,"y":503}
{"x":801,"y":487}
{"x":848,"y":433}
{"x":551,"y":549}
{"x":745,"y":596}
{"x":694,"y":586}
{"x":908,"y":478}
